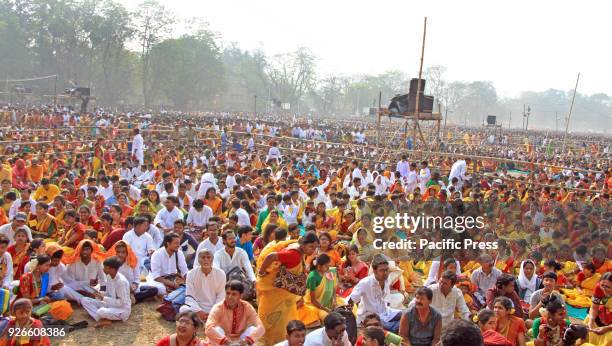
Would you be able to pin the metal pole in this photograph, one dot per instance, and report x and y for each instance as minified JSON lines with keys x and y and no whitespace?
{"x":378,"y":123}
{"x":523,"y":126}
{"x":55,"y":92}
{"x":570,"y":113}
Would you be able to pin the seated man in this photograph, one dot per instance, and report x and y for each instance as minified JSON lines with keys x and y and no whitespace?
{"x":205,"y":286}
{"x":332,"y":333}
{"x":115,"y":303}
{"x":58,"y":275}
{"x":232,"y":258}
{"x":84,"y":269}
{"x":411,"y":325}
{"x":140,"y":241}
{"x":296,"y":334}
{"x":233,"y":319}
{"x":131,"y":270}
{"x":168,"y":266}
{"x":373,"y":295}
{"x":448,"y":299}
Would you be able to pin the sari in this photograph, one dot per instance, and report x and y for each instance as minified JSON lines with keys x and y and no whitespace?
{"x":30,"y":288}
{"x":19,"y":259}
{"x":97,"y":162}
{"x":276,"y":306}
{"x":45,"y":228}
{"x":216,"y":205}
{"x":324,"y":288}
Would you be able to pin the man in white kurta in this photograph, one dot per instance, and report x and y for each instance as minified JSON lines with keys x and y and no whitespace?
{"x":165,"y":218}
{"x":138,"y":147}
{"x":164,"y":263}
{"x":115,"y":303}
{"x":459,"y":170}
{"x":85,"y":272}
{"x":205,"y":286}
{"x":139,"y":240}
{"x":231,"y":257}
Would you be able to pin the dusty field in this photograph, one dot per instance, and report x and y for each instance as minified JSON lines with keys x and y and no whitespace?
{"x":145,"y":327}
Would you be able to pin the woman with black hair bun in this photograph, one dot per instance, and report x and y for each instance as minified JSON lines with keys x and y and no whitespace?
{"x":550,"y":328}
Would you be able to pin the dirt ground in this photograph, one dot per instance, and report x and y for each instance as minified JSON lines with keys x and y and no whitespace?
{"x":145,"y":327}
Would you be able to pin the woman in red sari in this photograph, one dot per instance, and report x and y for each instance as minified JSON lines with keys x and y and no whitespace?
{"x":19,"y":251}
{"x":124,"y":203}
{"x":351,"y":271}
{"x":90,"y":221}
{"x":20,"y":175}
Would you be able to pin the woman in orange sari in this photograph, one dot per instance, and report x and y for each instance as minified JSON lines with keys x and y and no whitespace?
{"x":126,"y":209}
{"x":213,"y":201}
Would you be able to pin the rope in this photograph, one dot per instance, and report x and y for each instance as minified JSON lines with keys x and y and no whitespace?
{"x":28,"y":79}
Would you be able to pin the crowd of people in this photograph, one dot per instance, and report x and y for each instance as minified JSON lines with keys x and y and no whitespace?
{"x":264,"y":229}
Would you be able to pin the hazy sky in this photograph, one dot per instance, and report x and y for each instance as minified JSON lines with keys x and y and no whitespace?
{"x":518,"y":45}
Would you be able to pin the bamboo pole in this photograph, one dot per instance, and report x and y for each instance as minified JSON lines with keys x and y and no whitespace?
{"x":569,"y":115}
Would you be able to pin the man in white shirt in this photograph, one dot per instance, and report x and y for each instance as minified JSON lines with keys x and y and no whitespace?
{"x":165,"y":218}
{"x":447,"y":298}
{"x":241,"y":213}
{"x":333,"y":333}
{"x":85,"y":272}
{"x":19,"y":221}
{"x":231,"y":257}
{"x":205,"y":286}
{"x":459,"y":170}
{"x":140,"y":241}
{"x":424,"y":176}
{"x":115,"y":303}
{"x":373,"y":295}
{"x":411,"y":180}
{"x":198,"y":216}
{"x":168,"y":265}
{"x":213,"y":242}
{"x":402,"y":166}
{"x":25,"y":196}
{"x":138,"y":147}
{"x":230,"y":180}
{"x":105,"y":189}
{"x":274,"y":153}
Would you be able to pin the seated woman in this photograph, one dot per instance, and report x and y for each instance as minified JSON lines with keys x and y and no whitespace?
{"x":587,"y":279}
{"x":528,"y":282}
{"x":43,"y":225}
{"x":35,"y":284}
{"x":187,"y":326}
{"x":351,"y":271}
{"x":22,"y":310}
{"x":511,"y":327}
{"x":550,"y":329}
{"x":320,"y":298}
{"x":599,"y":320}
{"x":487,"y":321}
{"x":325,"y":247}
{"x":19,"y":251}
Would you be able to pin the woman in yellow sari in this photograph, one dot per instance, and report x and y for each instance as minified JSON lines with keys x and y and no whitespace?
{"x":42,"y":224}
{"x":278,"y":306}
{"x":97,"y":163}
{"x":588,"y":279}
{"x":144,"y":207}
{"x":274,"y":218}
{"x":320,"y":298}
